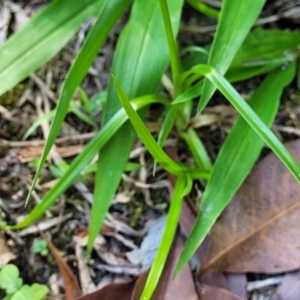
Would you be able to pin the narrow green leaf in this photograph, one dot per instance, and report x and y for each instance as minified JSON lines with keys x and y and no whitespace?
{"x":197,"y":148}
{"x":236,"y":158}
{"x":263,"y":51}
{"x":235,"y":22}
{"x":182,"y":187}
{"x":156,"y":151}
{"x":90,"y":150}
{"x":192,"y":92}
{"x":45,"y":34}
{"x":173,"y":50}
{"x":140,"y":59}
{"x":252,"y":119}
{"x":108,"y":14}
{"x":166,"y":128}
{"x":204,"y":8}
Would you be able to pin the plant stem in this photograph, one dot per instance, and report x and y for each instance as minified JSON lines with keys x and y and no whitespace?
{"x":174,"y":57}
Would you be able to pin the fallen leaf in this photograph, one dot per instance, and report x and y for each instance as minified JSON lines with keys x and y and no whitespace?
{"x":71,"y":285}
{"x":26,"y":154}
{"x":144,"y":255}
{"x":289,"y":289}
{"x":234,"y":283}
{"x":113,"y":291}
{"x":207,"y":292}
{"x":5,"y":254}
{"x":237,"y":284}
{"x":259,"y":230}
{"x":213,"y":278}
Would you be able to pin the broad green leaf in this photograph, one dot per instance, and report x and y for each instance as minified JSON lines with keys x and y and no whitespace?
{"x":182,"y":187}
{"x":140,"y":59}
{"x":9,"y":279}
{"x":262,"y":51}
{"x":236,"y":158}
{"x":235,"y":21}
{"x":90,"y":150}
{"x":262,"y":44}
{"x":108,"y":14}
{"x":39,"y":291}
{"x":24,"y":293}
{"x":40,"y":39}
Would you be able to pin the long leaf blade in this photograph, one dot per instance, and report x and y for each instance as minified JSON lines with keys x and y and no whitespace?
{"x":108,"y":14}
{"x":140,"y":59}
{"x":235,"y":22}
{"x":236,"y":158}
{"x":41,"y":39}
{"x":182,"y":187}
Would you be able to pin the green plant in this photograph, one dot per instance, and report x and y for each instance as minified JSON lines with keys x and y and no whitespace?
{"x":145,"y":47}
{"x":14,"y":288}
{"x":40,"y":247}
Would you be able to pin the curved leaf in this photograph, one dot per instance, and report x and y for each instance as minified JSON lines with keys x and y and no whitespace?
{"x":239,"y":153}
{"x":109,"y":13}
{"x":140,"y":59}
{"x":235,"y":21}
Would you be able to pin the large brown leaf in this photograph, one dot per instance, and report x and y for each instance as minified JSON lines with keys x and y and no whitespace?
{"x":259,"y":230}
{"x":289,"y":289}
{"x":207,"y":292}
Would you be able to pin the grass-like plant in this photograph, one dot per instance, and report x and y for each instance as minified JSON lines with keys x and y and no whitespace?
{"x":145,"y":47}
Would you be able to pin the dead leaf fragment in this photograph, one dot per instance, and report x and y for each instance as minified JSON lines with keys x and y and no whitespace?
{"x":113,"y":291}
{"x":71,"y":285}
{"x":259,"y":230}
{"x":207,"y":292}
{"x":289,"y":289}
{"x":5,"y":254}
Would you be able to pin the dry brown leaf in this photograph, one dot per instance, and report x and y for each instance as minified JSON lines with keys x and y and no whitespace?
{"x":289,"y":289}
{"x":26,"y":154}
{"x":5,"y":254}
{"x":234,"y":283}
{"x":114,"y":291}
{"x":71,"y":285}
{"x":259,"y":230}
{"x":207,"y":292}
{"x":237,"y":284}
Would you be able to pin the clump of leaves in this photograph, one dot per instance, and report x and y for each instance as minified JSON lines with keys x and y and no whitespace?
{"x":145,"y":47}
{"x":14,"y":288}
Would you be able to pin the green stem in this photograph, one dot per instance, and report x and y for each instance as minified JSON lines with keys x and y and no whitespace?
{"x":205,"y":9}
{"x":174,"y":56}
